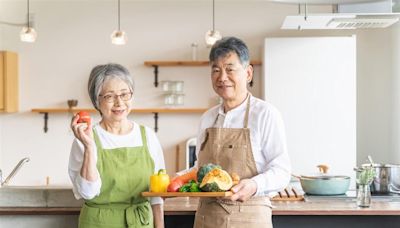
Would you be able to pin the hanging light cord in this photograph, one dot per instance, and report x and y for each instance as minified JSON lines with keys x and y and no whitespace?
{"x":213,"y":15}
{"x":305,"y":12}
{"x":29,"y":25}
{"x":119,"y":22}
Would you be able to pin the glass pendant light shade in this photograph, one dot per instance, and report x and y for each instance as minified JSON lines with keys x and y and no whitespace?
{"x":28,"y":34}
{"x":212,"y":36}
{"x":118,"y":37}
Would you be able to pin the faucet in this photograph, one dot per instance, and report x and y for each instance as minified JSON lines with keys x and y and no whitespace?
{"x":13,"y":172}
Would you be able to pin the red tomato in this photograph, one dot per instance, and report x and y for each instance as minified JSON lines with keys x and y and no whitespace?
{"x":175,"y":185}
{"x":84,"y":117}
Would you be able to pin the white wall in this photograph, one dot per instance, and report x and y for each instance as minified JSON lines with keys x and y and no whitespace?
{"x":395,"y":88}
{"x":73,"y":36}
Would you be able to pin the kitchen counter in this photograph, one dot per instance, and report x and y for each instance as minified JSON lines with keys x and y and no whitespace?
{"x":45,"y":208}
{"x":187,"y":206}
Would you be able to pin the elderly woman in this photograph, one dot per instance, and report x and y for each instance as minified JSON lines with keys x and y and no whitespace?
{"x":111,"y":162}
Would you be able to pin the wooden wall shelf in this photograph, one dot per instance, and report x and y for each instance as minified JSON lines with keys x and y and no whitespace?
{"x":154,"y":111}
{"x":156,"y":64}
{"x":188,"y":63}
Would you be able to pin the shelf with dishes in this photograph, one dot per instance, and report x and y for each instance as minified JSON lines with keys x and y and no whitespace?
{"x":154,"y":111}
{"x":157,"y":64}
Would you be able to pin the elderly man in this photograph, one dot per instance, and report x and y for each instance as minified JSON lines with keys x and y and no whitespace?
{"x":244,"y":135}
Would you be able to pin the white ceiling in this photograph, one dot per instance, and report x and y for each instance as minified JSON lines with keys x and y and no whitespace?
{"x":318,"y":2}
{"x":321,"y":2}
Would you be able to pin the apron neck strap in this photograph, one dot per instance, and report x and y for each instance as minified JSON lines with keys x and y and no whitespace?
{"x":96,"y":139}
{"x":246,"y":116}
{"x":143,"y":133}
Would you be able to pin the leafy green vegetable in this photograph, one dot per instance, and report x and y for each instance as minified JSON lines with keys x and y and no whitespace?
{"x":185,"y":188}
{"x":192,"y":186}
{"x":366,"y":175}
{"x":195,"y":187}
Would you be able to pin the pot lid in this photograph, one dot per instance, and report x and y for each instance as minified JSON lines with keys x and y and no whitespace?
{"x":376,"y":165}
{"x":325,"y":177}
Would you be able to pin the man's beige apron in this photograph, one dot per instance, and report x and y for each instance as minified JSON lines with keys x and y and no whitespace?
{"x":231,"y":149}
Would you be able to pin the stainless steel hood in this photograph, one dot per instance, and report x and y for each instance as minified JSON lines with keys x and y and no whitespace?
{"x":349,"y":16}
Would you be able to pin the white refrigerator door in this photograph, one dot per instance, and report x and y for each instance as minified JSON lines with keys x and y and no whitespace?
{"x":312,"y":81}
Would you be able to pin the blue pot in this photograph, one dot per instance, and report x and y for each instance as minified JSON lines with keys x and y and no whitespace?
{"x":325,"y":185}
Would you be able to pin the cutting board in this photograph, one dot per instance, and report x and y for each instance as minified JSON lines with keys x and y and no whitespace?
{"x":186,"y":194}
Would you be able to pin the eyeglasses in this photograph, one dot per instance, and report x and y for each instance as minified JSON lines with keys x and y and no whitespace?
{"x":110,"y":98}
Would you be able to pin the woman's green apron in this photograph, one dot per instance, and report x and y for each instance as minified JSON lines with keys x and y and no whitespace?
{"x":125,"y":173}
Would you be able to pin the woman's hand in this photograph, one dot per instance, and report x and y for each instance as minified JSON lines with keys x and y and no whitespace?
{"x":82,"y":131}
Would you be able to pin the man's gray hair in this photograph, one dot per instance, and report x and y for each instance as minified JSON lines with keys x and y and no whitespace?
{"x":228,"y":45}
{"x":102,"y":73}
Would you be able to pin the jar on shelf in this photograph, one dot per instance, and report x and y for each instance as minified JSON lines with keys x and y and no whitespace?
{"x":169,"y":99}
{"x":178,"y":86}
{"x":174,"y":99}
{"x":179,"y":99}
{"x":194,"y":51}
{"x":166,"y":86}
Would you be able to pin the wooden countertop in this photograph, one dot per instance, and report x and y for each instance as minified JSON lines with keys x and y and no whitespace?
{"x":187,"y":206}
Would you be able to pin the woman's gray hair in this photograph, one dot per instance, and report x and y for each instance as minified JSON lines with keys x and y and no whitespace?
{"x":100,"y":74}
{"x":228,"y":45}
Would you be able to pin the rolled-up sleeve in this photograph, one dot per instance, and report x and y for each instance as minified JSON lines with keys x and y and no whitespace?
{"x":81,"y":187}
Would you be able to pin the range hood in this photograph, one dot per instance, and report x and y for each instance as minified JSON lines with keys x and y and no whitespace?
{"x":349,"y":16}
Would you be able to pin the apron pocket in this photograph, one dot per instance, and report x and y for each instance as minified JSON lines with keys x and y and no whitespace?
{"x":236,"y":154}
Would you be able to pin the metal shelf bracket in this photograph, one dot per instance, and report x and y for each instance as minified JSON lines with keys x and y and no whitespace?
{"x":155,"y":75}
{"x":155,"y":121}
{"x":45,"y":118}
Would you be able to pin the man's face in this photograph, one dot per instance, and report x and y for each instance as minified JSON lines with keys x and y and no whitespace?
{"x":229,"y":77}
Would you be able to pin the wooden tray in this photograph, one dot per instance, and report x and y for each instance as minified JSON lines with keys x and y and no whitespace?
{"x":186,"y":194}
{"x":289,"y":194}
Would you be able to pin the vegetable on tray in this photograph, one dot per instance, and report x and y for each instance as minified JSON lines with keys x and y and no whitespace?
{"x":192,"y":186}
{"x":159,"y":182}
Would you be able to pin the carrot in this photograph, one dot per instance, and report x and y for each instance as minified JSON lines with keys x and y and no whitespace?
{"x":185,"y":178}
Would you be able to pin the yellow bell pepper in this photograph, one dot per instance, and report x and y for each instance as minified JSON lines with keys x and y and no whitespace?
{"x":159,"y":182}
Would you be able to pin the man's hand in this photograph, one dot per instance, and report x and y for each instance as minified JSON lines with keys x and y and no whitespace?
{"x":244,"y":190}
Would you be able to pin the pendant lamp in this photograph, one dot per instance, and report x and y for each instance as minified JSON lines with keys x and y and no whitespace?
{"x":28,"y":33}
{"x":118,"y":37}
{"x":213,"y":35}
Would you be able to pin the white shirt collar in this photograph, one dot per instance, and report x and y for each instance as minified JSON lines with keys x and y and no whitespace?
{"x":239,"y":108}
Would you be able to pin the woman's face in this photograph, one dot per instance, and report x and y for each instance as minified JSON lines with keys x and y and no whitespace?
{"x":115,"y":100}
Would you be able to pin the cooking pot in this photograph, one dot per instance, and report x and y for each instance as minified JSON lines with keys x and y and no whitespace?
{"x":324,"y":184}
{"x":386,"y":180}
